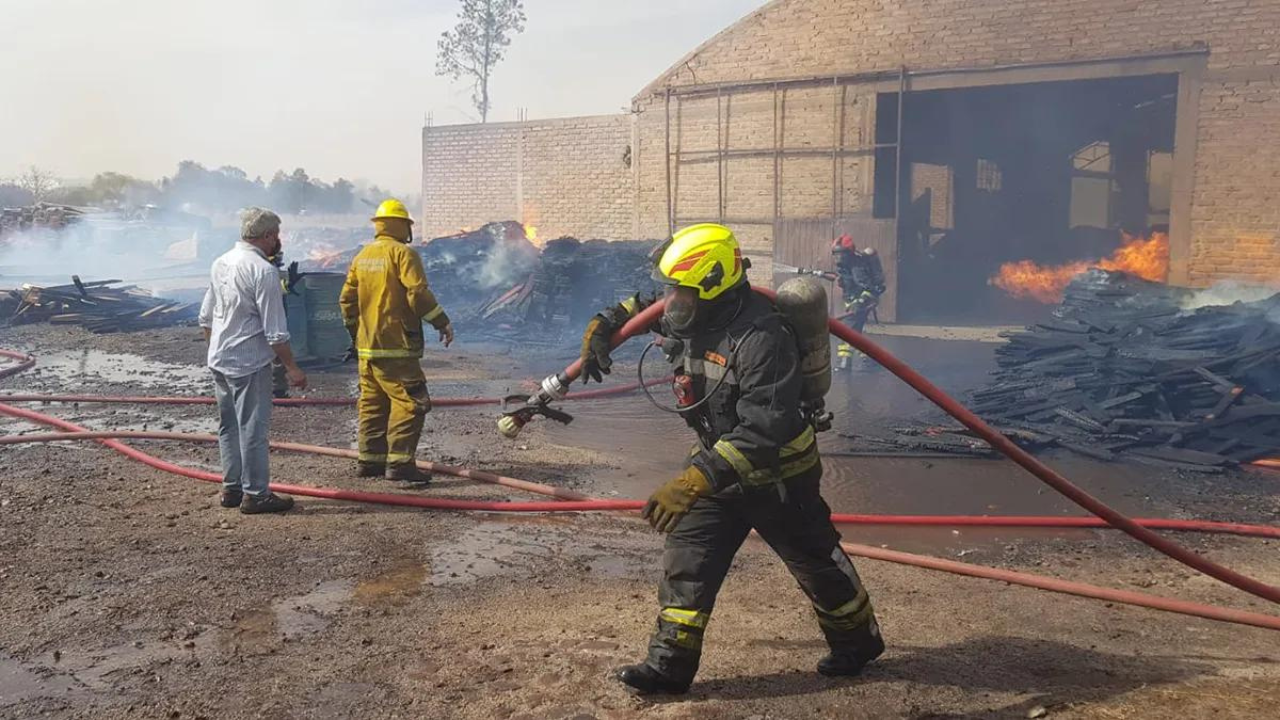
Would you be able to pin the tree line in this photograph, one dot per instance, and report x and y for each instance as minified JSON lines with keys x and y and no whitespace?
{"x":196,"y":188}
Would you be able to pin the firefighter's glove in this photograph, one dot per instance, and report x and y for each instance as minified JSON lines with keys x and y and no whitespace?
{"x":294,"y":278}
{"x":672,"y":501}
{"x":596,"y":362}
{"x":353,"y":331}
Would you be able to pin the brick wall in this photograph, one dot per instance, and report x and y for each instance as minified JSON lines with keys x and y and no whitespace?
{"x":565,"y":176}
{"x":574,"y":182}
{"x":1235,"y":216}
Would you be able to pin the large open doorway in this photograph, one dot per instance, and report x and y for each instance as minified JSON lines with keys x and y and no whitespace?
{"x":1048,"y":172}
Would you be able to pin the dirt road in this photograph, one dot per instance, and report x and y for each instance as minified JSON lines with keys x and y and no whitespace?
{"x":130,"y":593}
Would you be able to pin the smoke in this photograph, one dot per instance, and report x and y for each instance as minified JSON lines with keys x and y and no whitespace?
{"x":505,"y":266}
{"x":1228,"y":292}
{"x":93,"y":251}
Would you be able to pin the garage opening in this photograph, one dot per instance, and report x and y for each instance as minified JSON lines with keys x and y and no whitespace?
{"x":1023,"y":177}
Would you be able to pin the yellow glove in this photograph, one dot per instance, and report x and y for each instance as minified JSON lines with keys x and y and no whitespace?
{"x":596,"y":362}
{"x":672,"y":501}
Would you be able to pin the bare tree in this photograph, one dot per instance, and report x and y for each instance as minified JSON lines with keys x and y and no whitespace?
{"x":478,"y":43}
{"x":38,"y":182}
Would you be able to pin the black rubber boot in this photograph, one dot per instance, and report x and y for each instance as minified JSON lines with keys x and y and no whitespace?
{"x":408,"y":473}
{"x":232,"y":498}
{"x":848,"y":663}
{"x":269,"y":503}
{"x":368,"y":470}
{"x":644,"y":680}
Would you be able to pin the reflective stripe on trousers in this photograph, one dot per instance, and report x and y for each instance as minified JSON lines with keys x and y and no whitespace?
{"x":698,"y":553}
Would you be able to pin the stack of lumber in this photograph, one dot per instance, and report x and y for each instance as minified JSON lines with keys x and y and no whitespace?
{"x":1123,"y":371}
{"x":97,"y":306}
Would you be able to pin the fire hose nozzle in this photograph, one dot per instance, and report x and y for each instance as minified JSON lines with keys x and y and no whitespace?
{"x":553,"y":387}
{"x":509,"y":426}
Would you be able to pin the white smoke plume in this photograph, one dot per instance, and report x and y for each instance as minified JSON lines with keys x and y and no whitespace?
{"x":1228,"y":292}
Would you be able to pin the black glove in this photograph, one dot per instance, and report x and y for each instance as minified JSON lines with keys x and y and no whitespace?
{"x":596,"y":362}
{"x":351,"y":349}
{"x":294,"y":277}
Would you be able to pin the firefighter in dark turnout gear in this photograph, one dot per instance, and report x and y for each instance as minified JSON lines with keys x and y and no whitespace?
{"x":860,"y":276}
{"x":755,"y":465}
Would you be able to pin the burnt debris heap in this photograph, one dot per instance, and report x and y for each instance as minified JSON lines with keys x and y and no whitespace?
{"x":97,"y":306}
{"x":1125,"y":371}
{"x":495,"y":282}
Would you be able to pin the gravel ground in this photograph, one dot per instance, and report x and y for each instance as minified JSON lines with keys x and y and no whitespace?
{"x":130,"y":593}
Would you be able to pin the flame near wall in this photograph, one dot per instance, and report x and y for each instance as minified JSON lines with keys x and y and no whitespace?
{"x":1148,"y":258}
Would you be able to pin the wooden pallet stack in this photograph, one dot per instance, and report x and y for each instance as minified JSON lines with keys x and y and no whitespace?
{"x":1123,"y":371}
{"x":97,"y":306}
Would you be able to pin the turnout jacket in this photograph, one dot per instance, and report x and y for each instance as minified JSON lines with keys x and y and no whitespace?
{"x":751,"y":429}
{"x":860,"y":273}
{"x":386,"y":299}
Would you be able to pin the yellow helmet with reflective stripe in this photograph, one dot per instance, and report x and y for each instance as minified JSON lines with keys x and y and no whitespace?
{"x":392,"y":208}
{"x":706,"y":257}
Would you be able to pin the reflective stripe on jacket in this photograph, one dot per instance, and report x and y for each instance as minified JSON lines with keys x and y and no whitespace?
{"x":751,"y":369}
{"x":386,"y":299}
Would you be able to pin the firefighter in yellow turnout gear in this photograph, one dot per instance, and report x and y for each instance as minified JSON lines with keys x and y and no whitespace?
{"x":384,"y":303}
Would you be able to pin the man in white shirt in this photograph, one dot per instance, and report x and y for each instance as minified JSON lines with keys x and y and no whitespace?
{"x":243,"y":319}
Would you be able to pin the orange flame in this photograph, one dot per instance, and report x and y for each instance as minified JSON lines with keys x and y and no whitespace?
{"x":1148,"y":258}
{"x":531,"y":234}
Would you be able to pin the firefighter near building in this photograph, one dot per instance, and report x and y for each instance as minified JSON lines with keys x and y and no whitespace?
{"x":384,"y":302}
{"x":860,"y":276}
{"x":748,"y":382}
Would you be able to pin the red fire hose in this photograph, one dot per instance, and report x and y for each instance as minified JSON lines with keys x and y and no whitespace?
{"x":1026,"y":579}
{"x":996,"y":439}
{"x":1008,"y":521}
{"x":1047,"y":474}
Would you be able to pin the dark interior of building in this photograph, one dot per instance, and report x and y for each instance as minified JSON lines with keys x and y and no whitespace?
{"x":1048,"y":172}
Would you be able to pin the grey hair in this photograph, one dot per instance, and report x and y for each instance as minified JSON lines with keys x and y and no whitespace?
{"x":256,"y":223}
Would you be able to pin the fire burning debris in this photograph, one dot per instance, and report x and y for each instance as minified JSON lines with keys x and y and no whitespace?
{"x":1125,"y":371}
{"x":1147,"y":258}
{"x":501,"y":280}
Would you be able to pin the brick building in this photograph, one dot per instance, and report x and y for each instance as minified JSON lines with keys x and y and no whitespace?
{"x":952,"y":135}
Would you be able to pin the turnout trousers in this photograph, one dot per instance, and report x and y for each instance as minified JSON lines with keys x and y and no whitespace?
{"x":861,"y":310}
{"x":393,"y":404}
{"x":795,"y":521}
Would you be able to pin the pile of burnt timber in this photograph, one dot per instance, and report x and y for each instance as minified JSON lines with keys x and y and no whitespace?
{"x":96,"y":306}
{"x":41,"y":215}
{"x":1124,"y":372}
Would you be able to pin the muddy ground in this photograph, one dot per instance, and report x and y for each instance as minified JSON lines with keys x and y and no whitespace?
{"x":126,"y":592}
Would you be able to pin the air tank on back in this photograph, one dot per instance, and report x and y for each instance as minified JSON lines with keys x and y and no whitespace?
{"x":803,"y":300}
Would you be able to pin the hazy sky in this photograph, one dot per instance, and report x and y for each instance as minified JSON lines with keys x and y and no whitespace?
{"x":339,"y":87}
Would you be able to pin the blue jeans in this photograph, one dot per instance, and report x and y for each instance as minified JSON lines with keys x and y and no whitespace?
{"x":244,"y":414}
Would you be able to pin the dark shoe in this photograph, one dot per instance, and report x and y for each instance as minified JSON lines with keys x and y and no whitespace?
{"x":232,"y":498}
{"x":367,"y":470}
{"x":408,"y":473}
{"x":280,"y":394}
{"x":848,"y":663}
{"x":269,"y":503}
{"x":644,"y":680}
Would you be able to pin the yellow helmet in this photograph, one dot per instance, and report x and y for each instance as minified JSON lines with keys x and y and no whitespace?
{"x":706,"y":257}
{"x":392,"y":208}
